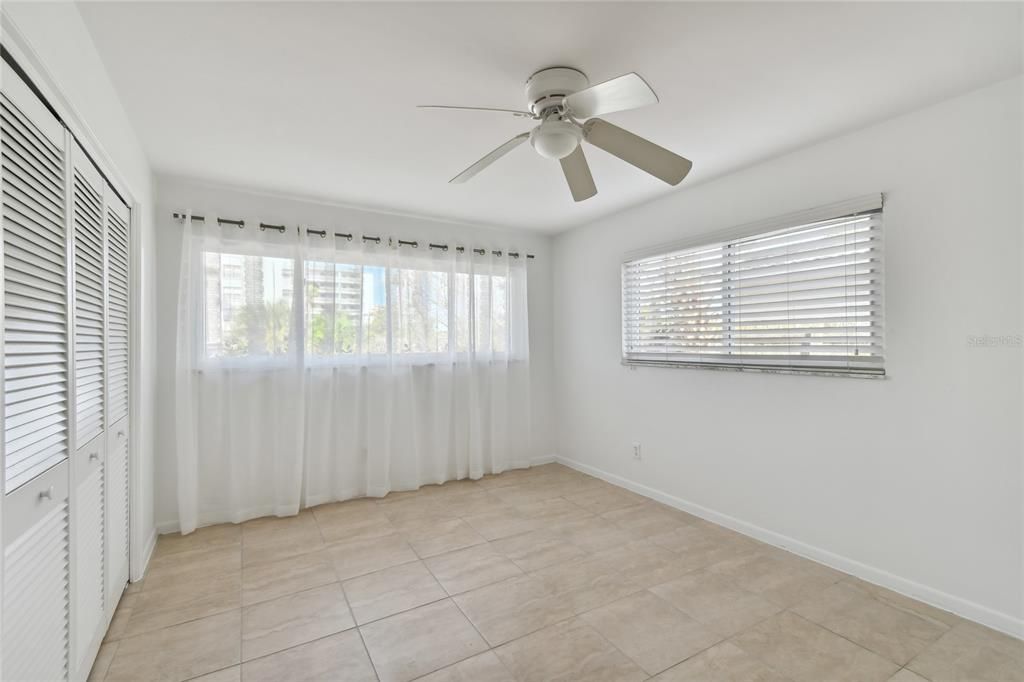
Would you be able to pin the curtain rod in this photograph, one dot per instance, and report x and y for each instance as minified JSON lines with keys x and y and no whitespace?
{"x":240,"y":224}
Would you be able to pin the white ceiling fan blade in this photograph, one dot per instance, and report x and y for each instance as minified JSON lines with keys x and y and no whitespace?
{"x":514,"y":112}
{"x":619,"y":94}
{"x":577,"y":174}
{"x":490,"y":158}
{"x":633,"y":149}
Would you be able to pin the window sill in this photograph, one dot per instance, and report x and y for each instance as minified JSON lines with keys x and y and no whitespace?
{"x":633,"y":363}
{"x":412,"y":363}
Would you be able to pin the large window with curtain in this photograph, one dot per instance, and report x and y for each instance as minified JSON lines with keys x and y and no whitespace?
{"x":800,"y":293}
{"x":312,"y":369}
{"x":349,"y":309}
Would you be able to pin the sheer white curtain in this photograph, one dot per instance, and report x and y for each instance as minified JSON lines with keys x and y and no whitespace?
{"x":312,"y":369}
{"x":239,"y":384}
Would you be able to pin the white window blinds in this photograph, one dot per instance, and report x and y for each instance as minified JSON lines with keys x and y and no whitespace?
{"x":800,"y":293}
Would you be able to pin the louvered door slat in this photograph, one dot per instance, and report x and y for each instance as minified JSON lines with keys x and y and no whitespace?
{"x":89,"y":333}
{"x":35,"y":300}
{"x":36,"y":600}
{"x":32,"y":188}
{"x":42,"y":442}
{"x":117,"y":311}
{"x":19,"y":305}
{"x":30,"y":265}
{"x":39,"y":145}
{"x":21,"y":152}
{"x":20,"y":224}
{"x":36,"y":425}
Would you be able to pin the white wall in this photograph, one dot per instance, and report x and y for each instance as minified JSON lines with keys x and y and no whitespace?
{"x":174,"y":194}
{"x":914,"y":481}
{"x":62,"y":58}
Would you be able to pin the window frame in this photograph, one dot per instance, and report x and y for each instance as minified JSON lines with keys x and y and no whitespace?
{"x":728,"y":240}
{"x":297,"y":349}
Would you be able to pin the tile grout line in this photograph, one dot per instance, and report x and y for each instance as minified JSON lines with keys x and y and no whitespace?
{"x":729,"y":638}
{"x":673,"y":606}
{"x":348,"y":604}
{"x":612,"y":645}
{"x":362,"y":640}
{"x":927,"y":646}
{"x":790,"y":611}
{"x":587,"y":556}
{"x":493,"y":649}
{"x":357,"y":626}
{"x":448,"y":598}
{"x":242,"y":568}
{"x":468,"y":620}
{"x":398,"y":613}
{"x":489,"y":647}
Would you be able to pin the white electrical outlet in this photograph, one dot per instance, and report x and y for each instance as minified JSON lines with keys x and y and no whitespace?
{"x":636,"y":450}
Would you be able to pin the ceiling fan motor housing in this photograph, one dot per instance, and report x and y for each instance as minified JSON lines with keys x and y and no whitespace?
{"x":556,"y":139}
{"x":548,"y":87}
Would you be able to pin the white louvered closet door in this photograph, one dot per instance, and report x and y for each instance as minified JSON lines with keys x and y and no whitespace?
{"x":88,"y":217}
{"x":88,"y":470}
{"x":88,"y":587}
{"x":118,"y":220}
{"x":36,"y":544}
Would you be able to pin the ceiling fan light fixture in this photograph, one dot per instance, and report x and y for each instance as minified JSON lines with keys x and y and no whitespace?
{"x":555,"y":139}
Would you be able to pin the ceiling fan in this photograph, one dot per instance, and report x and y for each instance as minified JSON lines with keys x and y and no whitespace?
{"x":560,"y":98}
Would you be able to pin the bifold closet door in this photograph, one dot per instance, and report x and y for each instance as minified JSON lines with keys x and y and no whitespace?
{"x":88,"y":463}
{"x":36,"y":410}
{"x":118,"y":298}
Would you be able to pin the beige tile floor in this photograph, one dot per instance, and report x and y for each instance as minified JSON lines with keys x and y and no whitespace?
{"x":533,"y":575}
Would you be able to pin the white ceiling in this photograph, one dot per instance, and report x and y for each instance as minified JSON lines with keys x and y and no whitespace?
{"x":318,"y":99}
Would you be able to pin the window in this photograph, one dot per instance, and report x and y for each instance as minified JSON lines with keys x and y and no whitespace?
{"x":248,"y":305}
{"x":348,"y":308}
{"x":344,"y":308}
{"x":419,"y":302}
{"x":802,"y":293}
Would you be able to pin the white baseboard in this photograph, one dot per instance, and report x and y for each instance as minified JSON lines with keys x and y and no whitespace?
{"x":166,"y":527}
{"x":996,"y":620}
{"x":139,"y":572}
